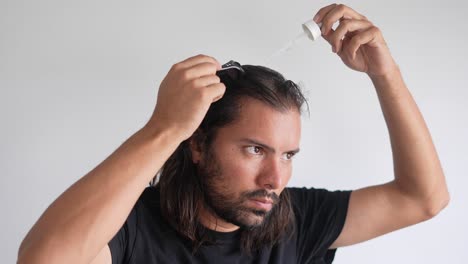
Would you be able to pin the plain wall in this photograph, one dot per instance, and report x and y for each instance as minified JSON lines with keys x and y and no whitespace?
{"x":77,"y":78}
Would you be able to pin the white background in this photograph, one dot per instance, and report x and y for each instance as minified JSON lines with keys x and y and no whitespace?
{"x":77,"y":78}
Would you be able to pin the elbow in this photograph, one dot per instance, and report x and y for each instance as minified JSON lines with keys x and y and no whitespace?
{"x":433,"y":208}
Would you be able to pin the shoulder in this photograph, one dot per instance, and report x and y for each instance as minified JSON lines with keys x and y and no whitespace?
{"x":309,"y":199}
{"x":320,"y":215}
{"x":310,"y":194}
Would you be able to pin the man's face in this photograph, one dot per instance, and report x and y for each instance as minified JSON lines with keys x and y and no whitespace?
{"x":249,"y":163}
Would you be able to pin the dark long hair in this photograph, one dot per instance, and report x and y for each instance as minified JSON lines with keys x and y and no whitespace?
{"x":182,"y":193}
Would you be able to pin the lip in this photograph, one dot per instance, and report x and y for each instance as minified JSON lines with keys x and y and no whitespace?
{"x":265,"y":204}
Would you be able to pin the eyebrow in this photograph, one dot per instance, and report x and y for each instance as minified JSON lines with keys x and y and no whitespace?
{"x":271,"y":149}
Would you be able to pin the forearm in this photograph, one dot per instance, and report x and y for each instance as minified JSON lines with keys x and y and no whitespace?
{"x":418,"y":172}
{"x":86,"y":216}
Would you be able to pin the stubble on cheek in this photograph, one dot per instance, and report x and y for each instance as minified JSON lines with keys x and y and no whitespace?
{"x":222,"y":199}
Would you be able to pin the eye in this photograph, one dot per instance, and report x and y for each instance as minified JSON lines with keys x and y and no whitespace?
{"x":289,"y":155}
{"x":254,"y":150}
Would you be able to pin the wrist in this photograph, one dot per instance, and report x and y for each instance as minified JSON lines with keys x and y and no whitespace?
{"x":386,"y":77}
{"x":161,"y":134}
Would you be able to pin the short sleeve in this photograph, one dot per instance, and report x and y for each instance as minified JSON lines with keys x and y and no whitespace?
{"x":320,"y":216}
{"x":122,"y":244}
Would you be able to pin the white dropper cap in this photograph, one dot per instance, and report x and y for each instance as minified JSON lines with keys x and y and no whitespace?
{"x":312,"y":29}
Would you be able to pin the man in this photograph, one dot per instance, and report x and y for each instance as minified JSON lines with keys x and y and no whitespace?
{"x":223,"y":142}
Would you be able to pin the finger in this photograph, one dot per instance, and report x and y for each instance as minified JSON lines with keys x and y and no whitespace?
{"x":199,"y":70}
{"x":216,"y":91}
{"x":192,"y":61}
{"x":322,"y":12}
{"x":337,"y":13}
{"x":346,"y":27}
{"x":207,"y":80}
{"x":366,"y":37}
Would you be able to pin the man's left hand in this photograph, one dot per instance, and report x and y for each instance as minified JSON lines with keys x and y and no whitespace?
{"x":356,"y":40}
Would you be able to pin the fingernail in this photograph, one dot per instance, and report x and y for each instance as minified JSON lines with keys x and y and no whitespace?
{"x":333,"y":49}
{"x":316,"y":18}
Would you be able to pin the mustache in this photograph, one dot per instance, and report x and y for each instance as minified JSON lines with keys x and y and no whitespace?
{"x":262,"y":194}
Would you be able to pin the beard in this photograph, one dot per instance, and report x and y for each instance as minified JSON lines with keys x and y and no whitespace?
{"x":222,"y":202}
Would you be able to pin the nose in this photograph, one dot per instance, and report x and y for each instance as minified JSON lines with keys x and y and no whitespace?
{"x":272,"y":175}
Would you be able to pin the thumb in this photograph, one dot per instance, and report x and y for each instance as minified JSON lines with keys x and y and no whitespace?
{"x":216,"y":91}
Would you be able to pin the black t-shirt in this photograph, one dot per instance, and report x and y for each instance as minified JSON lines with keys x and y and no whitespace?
{"x":147,"y":238}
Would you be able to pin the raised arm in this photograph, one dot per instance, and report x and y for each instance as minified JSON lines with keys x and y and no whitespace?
{"x":418,"y":191}
{"x":79,"y":224}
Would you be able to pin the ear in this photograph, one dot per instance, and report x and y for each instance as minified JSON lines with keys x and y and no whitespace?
{"x":195,"y":144}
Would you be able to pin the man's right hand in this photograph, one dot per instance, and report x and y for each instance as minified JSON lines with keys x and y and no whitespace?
{"x":78,"y":225}
{"x":186,"y":94}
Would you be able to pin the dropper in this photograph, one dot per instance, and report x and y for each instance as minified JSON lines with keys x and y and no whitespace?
{"x":310,"y":29}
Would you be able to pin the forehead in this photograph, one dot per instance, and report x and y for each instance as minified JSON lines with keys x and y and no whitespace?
{"x":257,"y":120}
